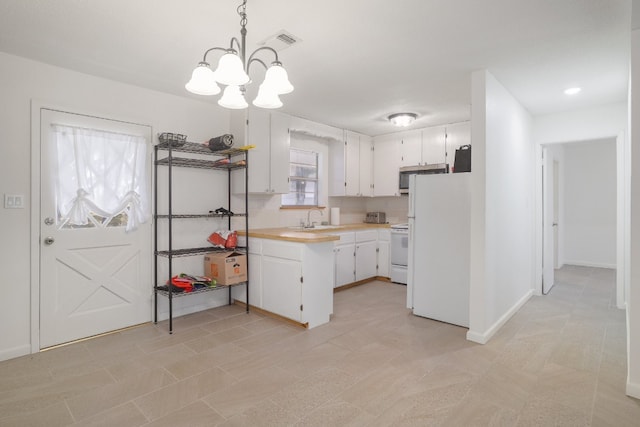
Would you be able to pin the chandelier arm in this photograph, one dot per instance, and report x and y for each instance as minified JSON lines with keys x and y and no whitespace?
{"x":238,"y":45}
{"x":204,"y":57}
{"x":256,"y":60}
{"x":263,"y":48}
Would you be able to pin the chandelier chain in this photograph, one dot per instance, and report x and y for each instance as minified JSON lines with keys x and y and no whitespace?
{"x":242,"y":11}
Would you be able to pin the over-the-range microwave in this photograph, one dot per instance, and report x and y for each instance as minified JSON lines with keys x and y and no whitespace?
{"x":406,"y":171}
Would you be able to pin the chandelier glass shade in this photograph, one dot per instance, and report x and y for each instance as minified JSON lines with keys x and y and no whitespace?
{"x":232,"y":72}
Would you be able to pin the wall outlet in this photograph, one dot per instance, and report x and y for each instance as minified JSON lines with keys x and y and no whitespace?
{"x":13,"y":201}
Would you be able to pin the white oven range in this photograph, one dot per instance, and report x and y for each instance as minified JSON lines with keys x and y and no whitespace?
{"x":399,"y":253}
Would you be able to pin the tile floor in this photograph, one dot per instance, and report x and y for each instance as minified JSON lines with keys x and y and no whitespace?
{"x":561,"y":360}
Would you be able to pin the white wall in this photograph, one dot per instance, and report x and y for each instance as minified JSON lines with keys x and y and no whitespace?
{"x":604,"y":121}
{"x":502,"y":225}
{"x":633,"y":296}
{"x":589,"y":224}
{"x":22,"y":81}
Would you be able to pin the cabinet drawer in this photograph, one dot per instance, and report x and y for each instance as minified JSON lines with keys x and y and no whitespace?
{"x":384,"y":235}
{"x":345,"y":238}
{"x":366,"y":235}
{"x":284,"y":250}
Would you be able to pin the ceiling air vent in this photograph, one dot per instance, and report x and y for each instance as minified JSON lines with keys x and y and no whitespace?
{"x":281,"y":40}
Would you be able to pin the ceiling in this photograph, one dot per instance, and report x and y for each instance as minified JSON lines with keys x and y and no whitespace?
{"x":358,"y":61}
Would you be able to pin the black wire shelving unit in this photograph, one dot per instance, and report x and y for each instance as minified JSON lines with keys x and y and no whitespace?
{"x":226,"y":160}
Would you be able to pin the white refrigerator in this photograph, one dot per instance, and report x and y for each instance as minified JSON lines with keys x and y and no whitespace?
{"x":439,"y":247}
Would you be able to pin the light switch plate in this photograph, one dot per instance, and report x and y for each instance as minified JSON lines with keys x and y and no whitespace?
{"x":13,"y":201}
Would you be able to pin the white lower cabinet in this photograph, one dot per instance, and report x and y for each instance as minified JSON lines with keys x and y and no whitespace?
{"x":282,"y":287}
{"x":355,"y":257}
{"x":290,"y":279}
{"x":366,"y":259}
{"x":345,"y":264}
{"x":344,"y":256}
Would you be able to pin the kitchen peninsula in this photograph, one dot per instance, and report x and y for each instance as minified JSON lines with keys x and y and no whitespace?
{"x":292,"y":270}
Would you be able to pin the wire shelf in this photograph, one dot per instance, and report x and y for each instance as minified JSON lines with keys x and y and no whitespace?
{"x":201,"y":164}
{"x":195,"y":148}
{"x":217,"y":287}
{"x":177,"y":253}
{"x":213,"y":215}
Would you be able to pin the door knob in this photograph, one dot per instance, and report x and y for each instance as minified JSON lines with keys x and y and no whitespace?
{"x":49,"y":240}
{"x":48,"y":221}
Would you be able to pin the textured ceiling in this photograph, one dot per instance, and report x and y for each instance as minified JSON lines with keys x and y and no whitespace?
{"x":359,"y":60}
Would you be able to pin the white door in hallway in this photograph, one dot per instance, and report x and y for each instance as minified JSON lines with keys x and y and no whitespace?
{"x":548,"y":220}
{"x":94,"y":278}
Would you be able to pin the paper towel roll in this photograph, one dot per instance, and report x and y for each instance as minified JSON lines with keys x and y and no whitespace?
{"x":335,"y":216}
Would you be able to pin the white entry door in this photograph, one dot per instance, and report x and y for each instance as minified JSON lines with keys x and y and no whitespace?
{"x":94,"y":278}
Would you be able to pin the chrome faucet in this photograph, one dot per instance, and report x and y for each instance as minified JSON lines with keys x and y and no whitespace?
{"x":309,"y":224}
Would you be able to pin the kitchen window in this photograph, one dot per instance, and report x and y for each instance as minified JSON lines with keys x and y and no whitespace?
{"x":303,"y":178}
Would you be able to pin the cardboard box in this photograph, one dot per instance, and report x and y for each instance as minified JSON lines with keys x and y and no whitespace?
{"x":228,"y":268}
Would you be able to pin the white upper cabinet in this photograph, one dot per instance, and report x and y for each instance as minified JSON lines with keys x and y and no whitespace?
{"x":280,"y":144}
{"x":268,"y":163}
{"x":366,"y":166}
{"x":350,"y":166}
{"x":410,"y":148}
{"x":423,"y":146}
{"x":433,"y":145}
{"x":386,"y":164}
{"x":458,"y":134}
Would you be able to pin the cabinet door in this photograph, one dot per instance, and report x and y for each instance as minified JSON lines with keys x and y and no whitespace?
{"x":279,"y":161}
{"x":433,"y":147}
{"x":383,"y":259}
{"x":345,"y":265}
{"x":366,"y":260}
{"x":386,"y":164}
{"x":352,"y":162}
{"x":258,"y":134}
{"x":411,"y":148}
{"x":458,"y":134}
{"x":281,"y":287}
{"x":366,"y":160}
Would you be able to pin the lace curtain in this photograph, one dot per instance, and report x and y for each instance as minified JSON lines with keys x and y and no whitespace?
{"x":100,"y":174}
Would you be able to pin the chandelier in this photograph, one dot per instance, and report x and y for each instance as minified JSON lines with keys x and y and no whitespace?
{"x":233,"y":69}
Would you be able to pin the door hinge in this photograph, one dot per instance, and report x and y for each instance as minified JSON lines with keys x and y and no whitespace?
{"x":301,"y":279}
{"x":301,"y":307}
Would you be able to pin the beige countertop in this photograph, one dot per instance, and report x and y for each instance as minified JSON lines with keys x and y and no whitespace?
{"x":309,"y":235}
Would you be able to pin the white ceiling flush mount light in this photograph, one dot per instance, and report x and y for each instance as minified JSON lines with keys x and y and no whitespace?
{"x":403,"y":119}
{"x":233,"y":72}
{"x":572,"y":91}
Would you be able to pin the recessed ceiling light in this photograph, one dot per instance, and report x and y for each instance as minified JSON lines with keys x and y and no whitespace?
{"x":572,"y":90}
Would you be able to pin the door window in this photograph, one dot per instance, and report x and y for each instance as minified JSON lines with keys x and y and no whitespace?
{"x":100,"y":178}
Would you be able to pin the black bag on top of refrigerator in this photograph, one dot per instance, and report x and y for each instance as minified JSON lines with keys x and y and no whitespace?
{"x":462,"y":161}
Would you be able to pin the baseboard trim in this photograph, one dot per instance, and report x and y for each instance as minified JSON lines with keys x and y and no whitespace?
{"x":14,"y":352}
{"x":484,"y":337}
{"x":590,"y":264}
{"x":354,"y":284}
{"x":633,"y":390}
{"x":254,"y":309}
